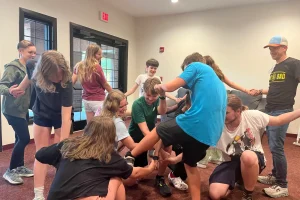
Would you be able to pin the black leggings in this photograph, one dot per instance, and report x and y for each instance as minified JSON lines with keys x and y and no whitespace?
{"x":22,"y":138}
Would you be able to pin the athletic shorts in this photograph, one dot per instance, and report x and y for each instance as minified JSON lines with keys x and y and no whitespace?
{"x":170,"y":134}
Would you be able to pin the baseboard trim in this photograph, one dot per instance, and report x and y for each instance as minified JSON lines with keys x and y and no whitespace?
{"x":11,"y":146}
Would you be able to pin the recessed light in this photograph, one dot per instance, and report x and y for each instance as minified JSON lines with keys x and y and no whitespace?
{"x":174,"y":1}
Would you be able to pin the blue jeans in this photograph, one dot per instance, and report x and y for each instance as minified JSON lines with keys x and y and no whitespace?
{"x":22,"y":138}
{"x":276,"y":136}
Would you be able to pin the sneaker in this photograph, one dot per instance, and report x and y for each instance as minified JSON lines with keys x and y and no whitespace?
{"x":268,"y":180}
{"x":216,"y":162}
{"x":129,"y":159}
{"x":276,"y":191}
{"x":164,"y":190}
{"x":12,"y":177}
{"x":246,"y":196}
{"x":24,"y":171}
{"x":201,"y":165}
{"x":178,"y":183}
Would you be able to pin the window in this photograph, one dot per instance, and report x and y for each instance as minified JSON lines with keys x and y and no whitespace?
{"x":39,"y":29}
{"x":113,"y":62}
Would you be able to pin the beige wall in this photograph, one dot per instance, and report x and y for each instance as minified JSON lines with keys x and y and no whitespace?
{"x":77,"y":11}
{"x":233,"y":37}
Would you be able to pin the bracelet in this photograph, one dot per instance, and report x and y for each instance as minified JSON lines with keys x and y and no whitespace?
{"x":162,"y":98}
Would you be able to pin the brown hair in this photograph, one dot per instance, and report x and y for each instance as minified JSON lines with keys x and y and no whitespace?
{"x":210,"y":61}
{"x":97,"y":141}
{"x":112,"y":103}
{"x":24,"y":44}
{"x":88,"y":66}
{"x":235,"y":103}
{"x":149,"y":85}
{"x":152,"y":62}
{"x":194,"y":57}
{"x":48,"y":65}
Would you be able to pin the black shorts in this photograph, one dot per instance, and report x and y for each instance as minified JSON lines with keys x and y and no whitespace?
{"x":230,"y":172}
{"x":40,"y":121}
{"x":170,"y":134}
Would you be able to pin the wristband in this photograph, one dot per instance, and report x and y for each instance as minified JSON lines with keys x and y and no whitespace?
{"x":162,"y":98}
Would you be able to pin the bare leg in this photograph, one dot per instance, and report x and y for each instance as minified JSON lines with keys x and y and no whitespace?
{"x":194,"y":181}
{"x":41,"y":139}
{"x":89,"y":116}
{"x":163,"y":165}
{"x":218,"y":191}
{"x":250,"y":169}
{"x":146,"y":143}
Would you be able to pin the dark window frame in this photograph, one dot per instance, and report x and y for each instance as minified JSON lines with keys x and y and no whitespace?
{"x":51,"y":21}
{"x":106,"y":39}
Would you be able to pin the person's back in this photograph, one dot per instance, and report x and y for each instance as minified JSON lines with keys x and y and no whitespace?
{"x":86,"y":177}
{"x":205,"y":119}
{"x":93,"y":89}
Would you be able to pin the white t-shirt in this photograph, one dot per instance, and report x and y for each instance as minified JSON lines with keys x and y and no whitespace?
{"x":121,"y":129}
{"x":140,"y":80}
{"x":247,"y":136}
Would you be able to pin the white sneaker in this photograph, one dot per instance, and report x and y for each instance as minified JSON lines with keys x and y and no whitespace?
{"x":39,"y":198}
{"x":178,"y":183}
{"x":199,"y":164}
{"x":268,"y":180}
{"x":276,"y":191}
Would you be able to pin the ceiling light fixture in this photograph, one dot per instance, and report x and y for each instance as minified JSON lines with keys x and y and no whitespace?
{"x":174,"y":1}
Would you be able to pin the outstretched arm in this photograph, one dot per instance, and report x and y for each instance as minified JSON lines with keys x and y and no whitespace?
{"x":284,"y":118}
{"x":235,"y":86}
{"x":132,"y":90}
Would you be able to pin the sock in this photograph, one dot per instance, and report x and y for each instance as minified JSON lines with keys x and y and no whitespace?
{"x":129,"y":154}
{"x":248,"y":193}
{"x":172,"y":175}
{"x":39,"y":192}
{"x":159,"y":177}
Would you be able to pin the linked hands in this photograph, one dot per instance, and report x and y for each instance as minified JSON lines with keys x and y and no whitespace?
{"x":15,"y":91}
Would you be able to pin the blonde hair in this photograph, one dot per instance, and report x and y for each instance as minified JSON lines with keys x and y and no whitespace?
{"x":235,"y":103}
{"x":97,"y":141}
{"x":88,"y":66}
{"x":24,"y":44}
{"x":112,"y":103}
{"x":48,"y":65}
{"x":194,"y":57}
{"x":149,"y":85}
{"x":210,"y":61}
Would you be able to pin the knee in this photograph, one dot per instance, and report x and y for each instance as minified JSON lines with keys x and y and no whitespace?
{"x":215,"y":192}
{"x":249,"y":158}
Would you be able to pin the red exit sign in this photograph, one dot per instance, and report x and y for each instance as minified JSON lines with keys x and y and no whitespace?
{"x":104,"y":16}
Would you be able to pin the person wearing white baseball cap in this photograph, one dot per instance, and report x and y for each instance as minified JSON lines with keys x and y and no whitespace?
{"x":283,"y":84}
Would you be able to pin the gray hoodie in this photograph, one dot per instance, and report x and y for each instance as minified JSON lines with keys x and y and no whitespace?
{"x":14,"y":73}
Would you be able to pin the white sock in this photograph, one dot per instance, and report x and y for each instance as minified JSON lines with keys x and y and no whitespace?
{"x":39,"y":192}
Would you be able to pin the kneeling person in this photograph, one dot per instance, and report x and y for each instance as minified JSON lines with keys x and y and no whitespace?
{"x":241,"y":141}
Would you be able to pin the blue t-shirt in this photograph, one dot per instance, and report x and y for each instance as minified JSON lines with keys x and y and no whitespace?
{"x":205,"y":119}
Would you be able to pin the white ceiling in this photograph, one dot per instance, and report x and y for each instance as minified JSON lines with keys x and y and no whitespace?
{"x":144,"y":8}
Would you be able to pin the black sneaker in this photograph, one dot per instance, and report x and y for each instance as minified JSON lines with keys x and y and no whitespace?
{"x":247,"y":196}
{"x":129,"y":159}
{"x":164,"y":190}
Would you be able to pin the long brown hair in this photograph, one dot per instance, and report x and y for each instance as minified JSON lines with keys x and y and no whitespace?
{"x":194,"y":57}
{"x":97,"y":141}
{"x":112,"y":103}
{"x":235,"y":103}
{"x":210,"y":61}
{"x":88,"y":66}
{"x":48,"y":65}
